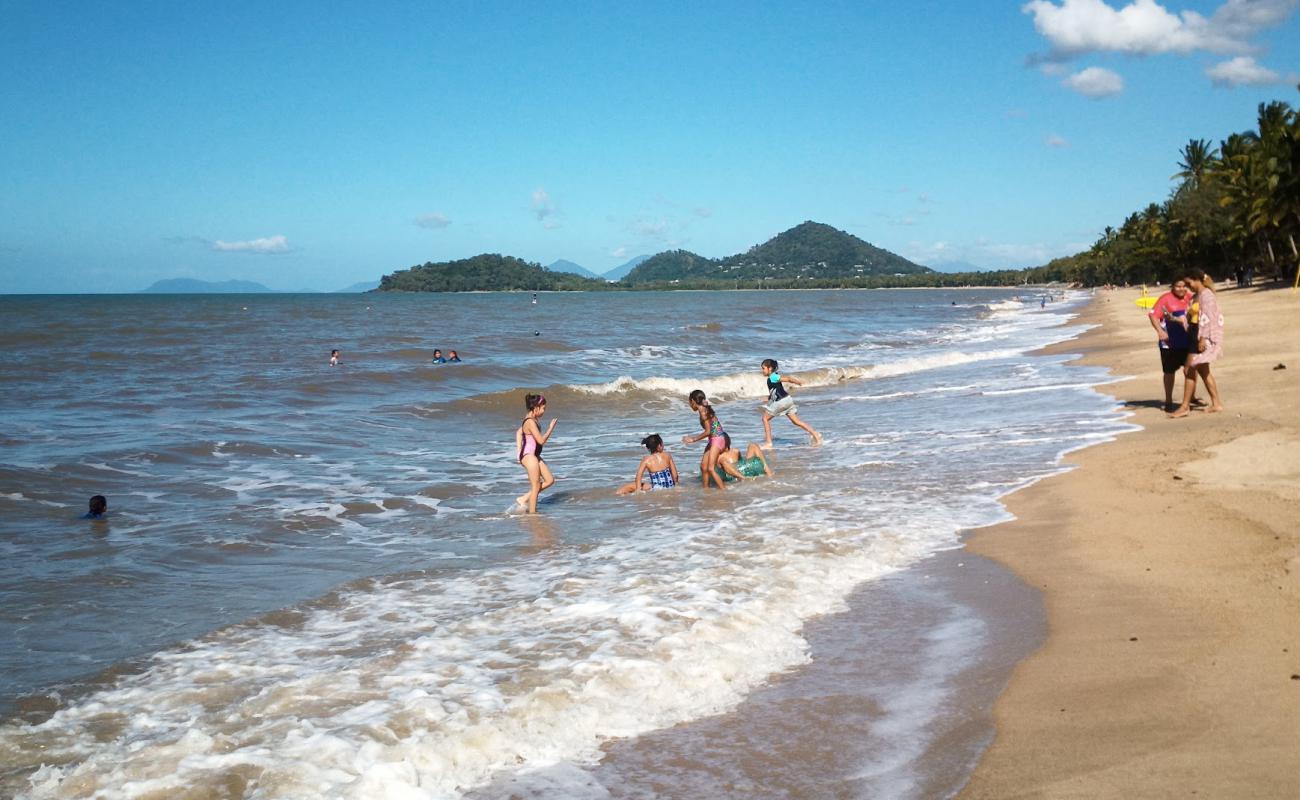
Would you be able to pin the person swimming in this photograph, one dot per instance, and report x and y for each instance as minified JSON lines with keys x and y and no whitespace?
{"x":658,"y":467}
{"x":98,"y":508}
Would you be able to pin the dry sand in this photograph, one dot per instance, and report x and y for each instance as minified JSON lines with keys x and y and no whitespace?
{"x":1170,"y":565}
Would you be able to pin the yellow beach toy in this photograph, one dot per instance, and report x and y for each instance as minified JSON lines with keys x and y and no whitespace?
{"x":1145,"y":301}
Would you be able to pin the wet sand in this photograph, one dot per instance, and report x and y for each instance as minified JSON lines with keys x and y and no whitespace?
{"x":1169,"y":561}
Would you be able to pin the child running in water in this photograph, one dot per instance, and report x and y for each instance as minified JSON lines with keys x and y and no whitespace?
{"x":780,"y":402}
{"x":658,"y":467}
{"x":713,"y":432}
{"x":528,"y":444}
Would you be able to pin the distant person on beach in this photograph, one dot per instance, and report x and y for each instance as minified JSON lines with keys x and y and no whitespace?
{"x":779,"y":403}
{"x":713,"y":432}
{"x":334,"y":358}
{"x":98,"y":508}
{"x":528,"y":444}
{"x":732,"y":466}
{"x":1169,"y":317}
{"x":534,"y":299}
{"x":437,"y":357}
{"x":1208,"y":346}
{"x":658,"y":468}
{"x":452,"y":358}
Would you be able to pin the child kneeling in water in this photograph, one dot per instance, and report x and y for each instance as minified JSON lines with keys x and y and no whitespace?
{"x":658,"y":467}
{"x":732,"y":467}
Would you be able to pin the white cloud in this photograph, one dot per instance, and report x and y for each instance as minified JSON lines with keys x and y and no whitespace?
{"x":618,"y":252}
{"x":269,"y":245}
{"x":1095,"y":82}
{"x":1144,"y":27}
{"x":435,"y":221}
{"x":543,"y":207}
{"x":1244,"y":71}
{"x":1056,"y":140}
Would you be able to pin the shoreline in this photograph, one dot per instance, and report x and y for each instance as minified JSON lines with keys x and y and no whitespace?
{"x":1169,"y":565}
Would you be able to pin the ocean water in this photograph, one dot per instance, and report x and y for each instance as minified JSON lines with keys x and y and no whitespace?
{"x":311,"y":583}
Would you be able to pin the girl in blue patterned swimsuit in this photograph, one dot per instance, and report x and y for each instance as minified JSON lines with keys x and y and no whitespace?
{"x":658,"y":468}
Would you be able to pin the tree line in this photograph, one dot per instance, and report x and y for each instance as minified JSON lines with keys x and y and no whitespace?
{"x":1236,"y":207}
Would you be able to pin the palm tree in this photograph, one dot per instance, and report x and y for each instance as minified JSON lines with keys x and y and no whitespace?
{"x":1197,"y":158}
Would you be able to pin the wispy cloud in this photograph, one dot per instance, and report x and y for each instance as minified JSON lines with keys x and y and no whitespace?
{"x":618,"y":252}
{"x":1055,"y":140}
{"x":652,"y":228}
{"x":1095,"y":82}
{"x":1245,"y":71}
{"x":544,"y":208}
{"x":989,"y":255}
{"x":435,"y":221}
{"x":269,"y":245}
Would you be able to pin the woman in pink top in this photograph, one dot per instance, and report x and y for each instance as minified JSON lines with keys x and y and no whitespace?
{"x":1208,"y":347}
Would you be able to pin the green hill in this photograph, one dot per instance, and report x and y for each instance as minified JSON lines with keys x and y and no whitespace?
{"x":810,"y":251}
{"x":484,"y":273}
{"x":671,"y":266}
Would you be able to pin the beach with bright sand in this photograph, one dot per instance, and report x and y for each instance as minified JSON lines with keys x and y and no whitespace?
{"x":1169,"y":561}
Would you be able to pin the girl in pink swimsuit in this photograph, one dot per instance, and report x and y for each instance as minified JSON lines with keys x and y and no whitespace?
{"x":713,"y":432}
{"x":528,"y":444}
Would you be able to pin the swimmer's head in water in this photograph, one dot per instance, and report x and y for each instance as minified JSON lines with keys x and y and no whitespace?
{"x":98,"y":504}
{"x":654,"y":443}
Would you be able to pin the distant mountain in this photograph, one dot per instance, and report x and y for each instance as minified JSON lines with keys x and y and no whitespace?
{"x":574,"y":269}
{"x":955,"y":266}
{"x":808,"y":251}
{"x":195,"y":286}
{"x":357,"y":288}
{"x":484,"y":273}
{"x":620,"y":272}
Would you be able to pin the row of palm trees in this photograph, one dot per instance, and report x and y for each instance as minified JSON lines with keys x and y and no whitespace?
{"x":1236,"y":207}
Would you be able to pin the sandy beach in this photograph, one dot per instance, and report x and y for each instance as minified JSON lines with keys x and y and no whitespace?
{"x":1169,"y":562}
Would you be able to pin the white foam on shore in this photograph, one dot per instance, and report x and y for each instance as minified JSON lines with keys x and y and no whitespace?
{"x":435,"y":685}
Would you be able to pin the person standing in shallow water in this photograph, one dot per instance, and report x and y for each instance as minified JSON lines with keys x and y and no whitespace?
{"x":529,"y":440}
{"x":1208,"y":347}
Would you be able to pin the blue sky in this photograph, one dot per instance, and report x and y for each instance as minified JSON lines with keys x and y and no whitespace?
{"x":315,"y":145}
